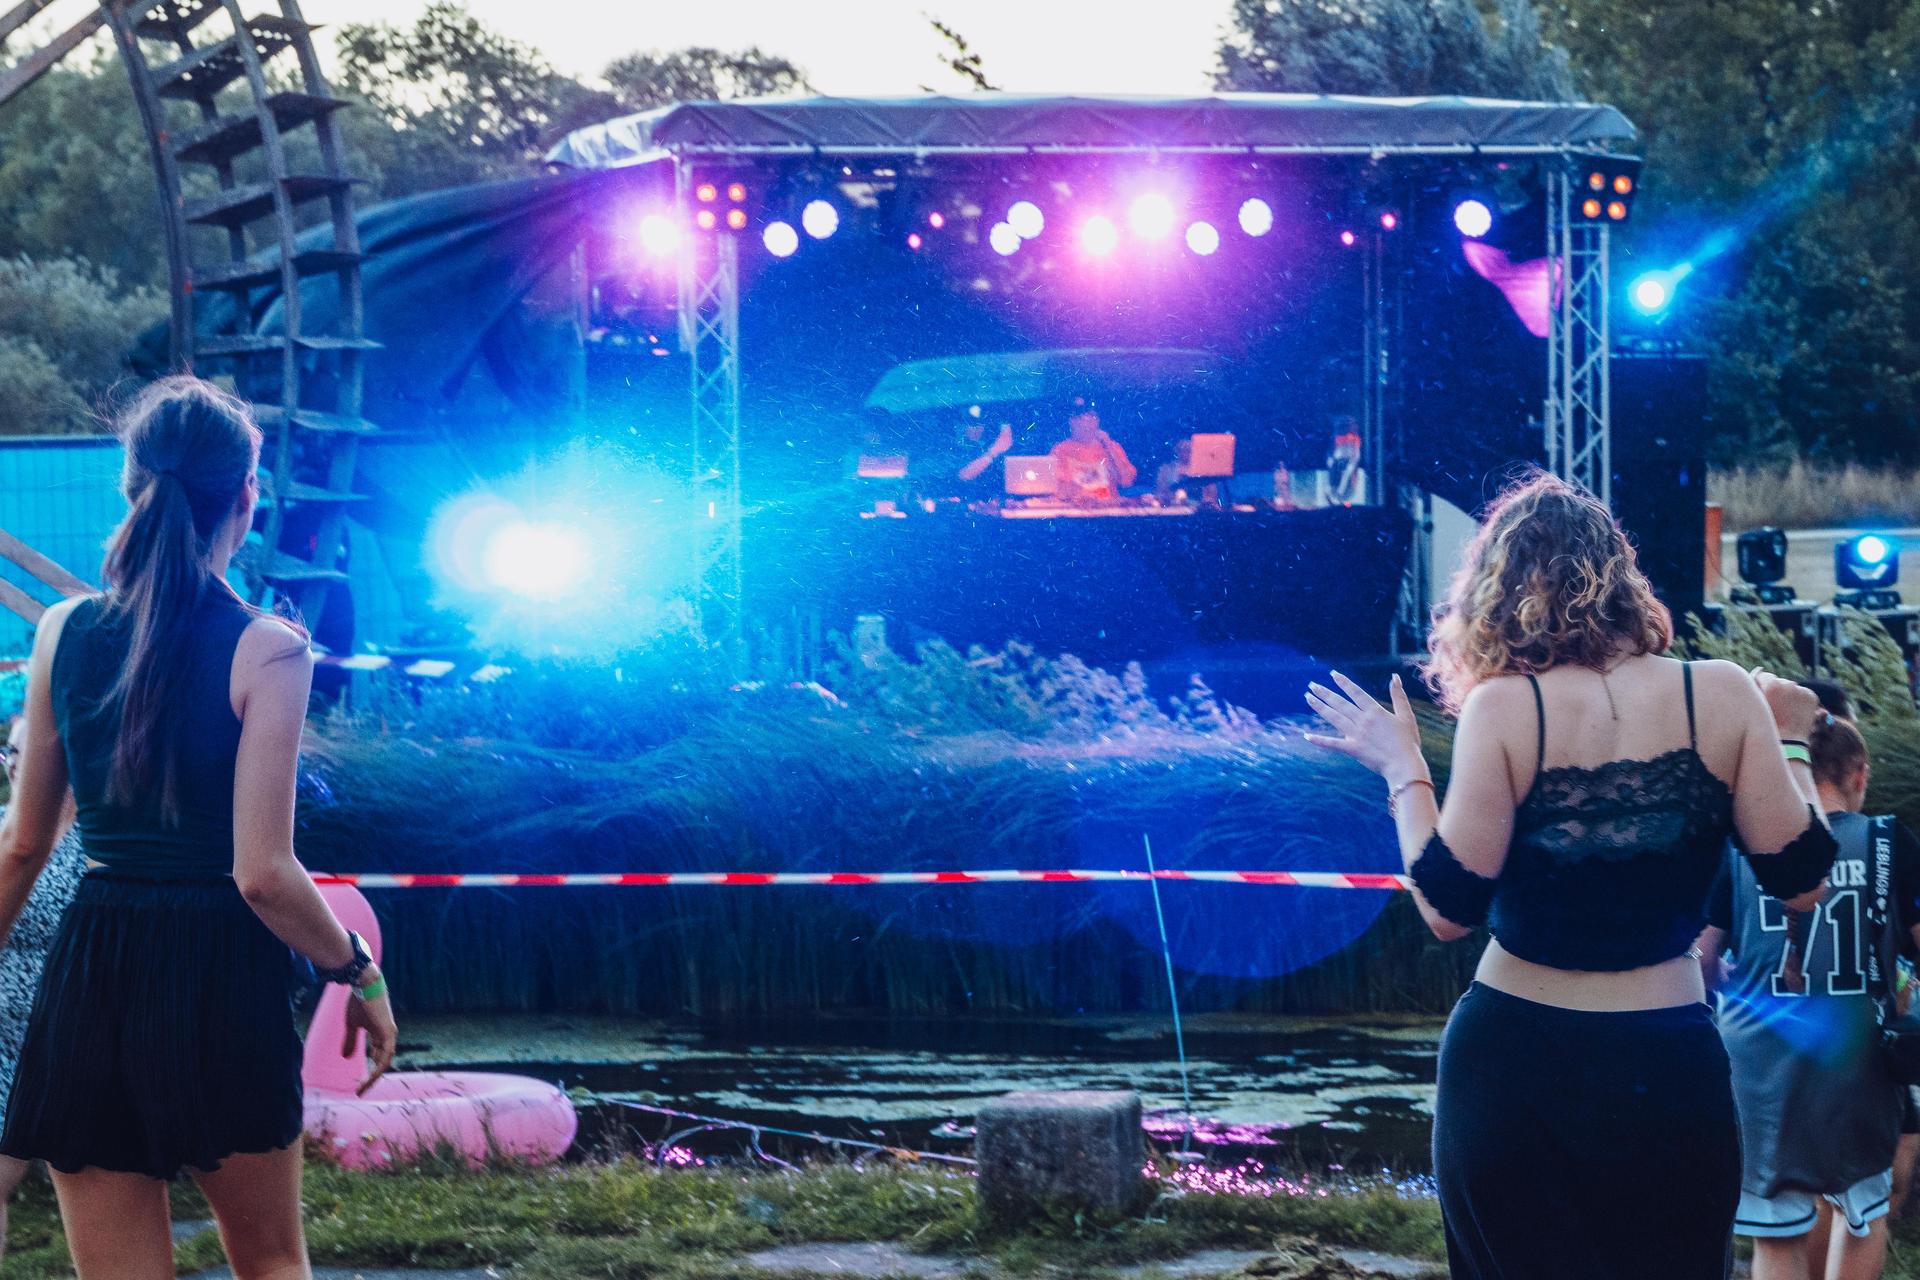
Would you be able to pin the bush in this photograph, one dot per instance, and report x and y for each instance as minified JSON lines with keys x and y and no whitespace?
{"x":35,"y":398}
{"x":65,"y":327}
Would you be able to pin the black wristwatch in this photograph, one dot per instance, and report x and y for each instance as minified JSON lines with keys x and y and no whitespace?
{"x":350,"y":972}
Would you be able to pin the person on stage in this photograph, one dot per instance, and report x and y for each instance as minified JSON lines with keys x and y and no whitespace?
{"x":1089,"y":465}
{"x":162,"y":1041}
{"x":968,"y":469}
{"x":1584,"y":1126}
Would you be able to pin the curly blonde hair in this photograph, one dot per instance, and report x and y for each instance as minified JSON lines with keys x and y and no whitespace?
{"x":1549,"y":580}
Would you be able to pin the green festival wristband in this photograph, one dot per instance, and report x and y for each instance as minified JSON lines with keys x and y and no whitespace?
{"x":373,"y":990}
{"x":1795,"y":751}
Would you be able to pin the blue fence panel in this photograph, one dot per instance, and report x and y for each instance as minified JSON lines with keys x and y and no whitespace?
{"x":61,"y":496}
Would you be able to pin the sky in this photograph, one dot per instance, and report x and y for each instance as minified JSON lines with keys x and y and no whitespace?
{"x":871,"y":47}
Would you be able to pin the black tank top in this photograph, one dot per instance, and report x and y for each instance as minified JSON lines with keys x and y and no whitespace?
{"x":133,"y":837}
{"x":1610,"y":865}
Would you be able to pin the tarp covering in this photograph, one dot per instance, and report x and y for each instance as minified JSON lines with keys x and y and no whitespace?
{"x":444,"y":274}
{"x":1000,"y":122}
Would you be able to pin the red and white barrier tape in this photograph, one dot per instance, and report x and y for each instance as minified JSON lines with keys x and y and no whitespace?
{"x":694,"y":879}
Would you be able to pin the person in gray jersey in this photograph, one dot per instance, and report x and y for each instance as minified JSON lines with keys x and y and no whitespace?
{"x":1819,"y":1114}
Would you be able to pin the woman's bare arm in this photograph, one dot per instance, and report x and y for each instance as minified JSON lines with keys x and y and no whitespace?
{"x":273,"y":674}
{"x":1477,"y":823}
{"x":1771,"y":797}
{"x":37,"y":813}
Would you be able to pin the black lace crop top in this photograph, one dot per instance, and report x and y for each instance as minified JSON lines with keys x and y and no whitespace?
{"x":1610,"y":866}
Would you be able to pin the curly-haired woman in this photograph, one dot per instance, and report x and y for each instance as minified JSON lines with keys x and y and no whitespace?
{"x":1585,"y":1121}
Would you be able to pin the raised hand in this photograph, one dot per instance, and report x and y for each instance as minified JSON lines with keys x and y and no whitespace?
{"x":1795,"y":707}
{"x":1385,"y":739}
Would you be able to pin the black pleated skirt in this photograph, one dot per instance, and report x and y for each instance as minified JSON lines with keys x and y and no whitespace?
{"x":162,"y":1038}
{"x":1585,"y":1146}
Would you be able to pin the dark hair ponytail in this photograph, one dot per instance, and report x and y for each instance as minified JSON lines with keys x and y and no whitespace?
{"x":190,"y":448}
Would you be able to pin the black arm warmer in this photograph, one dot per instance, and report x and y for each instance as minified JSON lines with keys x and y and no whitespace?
{"x":1801,"y":866}
{"x":1460,"y":895}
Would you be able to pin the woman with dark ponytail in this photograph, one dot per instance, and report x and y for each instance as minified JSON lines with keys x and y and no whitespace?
{"x":162,"y":1039}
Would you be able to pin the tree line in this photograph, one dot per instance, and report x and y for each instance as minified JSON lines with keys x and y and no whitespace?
{"x":1782,"y":142}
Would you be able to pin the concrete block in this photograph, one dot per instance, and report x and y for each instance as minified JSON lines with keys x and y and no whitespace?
{"x":1060,"y":1153}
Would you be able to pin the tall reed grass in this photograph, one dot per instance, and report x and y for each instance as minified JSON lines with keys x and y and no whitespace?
{"x":1808,"y":495}
{"x":1870,"y":667}
{"x":945,"y":761}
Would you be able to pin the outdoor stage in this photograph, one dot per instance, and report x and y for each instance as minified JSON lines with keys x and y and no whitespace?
{"x":716,"y":288}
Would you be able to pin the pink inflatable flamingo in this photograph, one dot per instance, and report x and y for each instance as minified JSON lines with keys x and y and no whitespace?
{"x":407,"y":1114}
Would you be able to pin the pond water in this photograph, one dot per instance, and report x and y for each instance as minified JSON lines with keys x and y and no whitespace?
{"x":1287,"y":1092}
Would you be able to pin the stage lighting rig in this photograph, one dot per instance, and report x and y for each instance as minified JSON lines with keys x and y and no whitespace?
{"x":1473,"y":218}
{"x":1866,"y":568}
{"x":1604,"y":187}
{"x":1256,"y":216}
{"x":720,"y":200}
{"x":1762,"y":557}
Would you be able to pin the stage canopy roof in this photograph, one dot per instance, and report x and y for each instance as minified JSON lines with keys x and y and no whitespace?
{"x":993,"y":123}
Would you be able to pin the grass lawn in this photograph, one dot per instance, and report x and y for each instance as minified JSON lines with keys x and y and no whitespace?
{"x":621,"y":1220}
{"x":626,"y":1221}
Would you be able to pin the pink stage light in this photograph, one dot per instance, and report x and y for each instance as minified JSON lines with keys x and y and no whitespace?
{"x":936,"y":219}
{"x":1347,"y":238}
{"x":913,"y":240}
{"x":1389,"y":221}
{"x":1202,"y":238}
{"x":659,"y":234}
{"x":1098,"y":235}
{"x":1026,"y":219}
{"x":1151,"y":216}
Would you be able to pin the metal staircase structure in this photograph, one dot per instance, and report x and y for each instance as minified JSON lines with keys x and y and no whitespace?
{"x":245,"y":145}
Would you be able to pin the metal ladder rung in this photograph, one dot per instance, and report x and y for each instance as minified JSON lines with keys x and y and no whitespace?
{"x":337,"y":344}
{"x":255,"y":344}
{"x":255,"y":274}
{"x":170,"y":18}
{"x":316,"y":421}
{"x":221,"y":140}
{"x":237,"y":206}
{"x":311,"y":494}
{"x":292,"y":569}
{"x":203,"y":73}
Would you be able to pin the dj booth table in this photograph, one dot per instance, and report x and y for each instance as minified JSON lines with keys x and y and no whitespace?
{"x":1108,"y":586}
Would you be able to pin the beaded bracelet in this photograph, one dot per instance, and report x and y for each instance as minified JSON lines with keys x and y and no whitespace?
{"x":1393,"y":796}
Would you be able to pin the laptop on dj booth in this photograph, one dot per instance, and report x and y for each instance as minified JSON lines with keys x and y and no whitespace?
{"x":1211,"y":456}
{"x":1030,"y":477}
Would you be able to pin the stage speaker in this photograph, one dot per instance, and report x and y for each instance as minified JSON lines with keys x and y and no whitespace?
{"x":1660,"y":429}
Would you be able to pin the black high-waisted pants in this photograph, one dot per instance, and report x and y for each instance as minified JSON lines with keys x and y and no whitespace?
{"x":1585,"y":1146}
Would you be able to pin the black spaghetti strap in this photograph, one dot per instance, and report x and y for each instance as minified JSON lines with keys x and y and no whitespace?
{"x":1540,"y":709}
{"x":1686,"y":680}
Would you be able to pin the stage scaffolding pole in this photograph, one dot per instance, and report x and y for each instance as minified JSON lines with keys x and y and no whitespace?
{"x":1579,"y":427}
{"x":709,"y":320}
